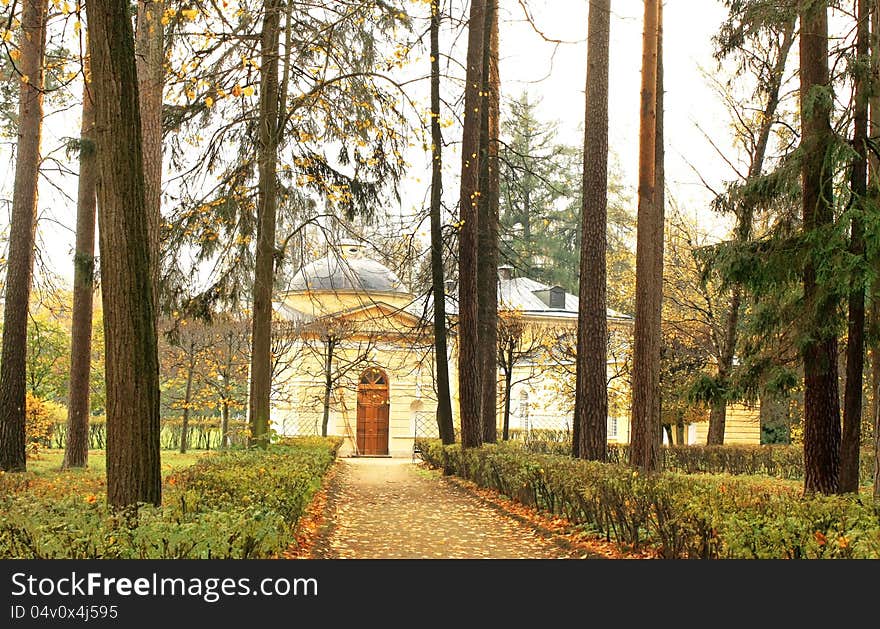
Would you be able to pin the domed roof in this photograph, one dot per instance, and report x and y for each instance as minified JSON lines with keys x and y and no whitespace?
{"x":346,"y":268}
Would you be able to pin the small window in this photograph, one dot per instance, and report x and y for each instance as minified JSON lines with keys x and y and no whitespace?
{"x":373,"y":376}
{"x":523,"y":410}
{"x":557,"y":297}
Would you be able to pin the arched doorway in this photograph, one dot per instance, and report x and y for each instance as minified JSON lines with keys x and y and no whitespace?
{"x":372,"y":413}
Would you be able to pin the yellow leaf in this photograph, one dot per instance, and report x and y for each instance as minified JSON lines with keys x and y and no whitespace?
{"x":248,"y":91}
{"x":15,"y":54}
{"x":190,"y":14}
{"x":236,"y":91}
{"x":209,"y":102}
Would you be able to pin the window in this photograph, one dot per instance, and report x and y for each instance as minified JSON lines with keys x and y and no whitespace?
{"x":612,"y":427}
{"x":373,"y":376}
{"x":557,"y":297}
{"x":523,"y":410}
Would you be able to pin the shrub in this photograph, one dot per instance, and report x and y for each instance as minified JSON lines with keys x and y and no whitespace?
{"x":238,"y":504}
{"x":780,"y":461}
{"x":41,"y":417}
{"x":678,"y":515}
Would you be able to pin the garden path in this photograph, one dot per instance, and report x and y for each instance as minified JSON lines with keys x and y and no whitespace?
{"x":386,"y":508}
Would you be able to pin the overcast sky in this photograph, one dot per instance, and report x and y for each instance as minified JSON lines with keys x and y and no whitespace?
{"x":555,"y":74}
{"x":690,"y":102}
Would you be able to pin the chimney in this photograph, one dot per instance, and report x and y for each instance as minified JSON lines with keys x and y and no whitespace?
{"x":553,"y":297}
{"x":505,"y":272}
{"x":450,"y":286}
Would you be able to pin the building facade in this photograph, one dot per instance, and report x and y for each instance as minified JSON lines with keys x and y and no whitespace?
{"x":355,"y":358}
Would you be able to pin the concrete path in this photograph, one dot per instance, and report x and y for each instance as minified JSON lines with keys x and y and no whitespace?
{"x":381,"y":508}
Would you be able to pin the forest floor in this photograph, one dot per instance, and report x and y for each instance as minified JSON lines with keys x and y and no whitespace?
{"x":385,"y":508}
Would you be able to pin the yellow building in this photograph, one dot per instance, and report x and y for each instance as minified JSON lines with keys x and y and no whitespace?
{"x":356,"y":352}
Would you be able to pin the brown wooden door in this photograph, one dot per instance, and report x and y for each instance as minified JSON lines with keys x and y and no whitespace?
{"x":372,"y":413}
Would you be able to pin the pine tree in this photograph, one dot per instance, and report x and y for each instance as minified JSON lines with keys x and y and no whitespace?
{"x":20,"y":260}
{"x":591,"y":393}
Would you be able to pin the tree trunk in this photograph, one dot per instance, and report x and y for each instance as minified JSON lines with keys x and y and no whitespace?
{"x":187,"y":396}
{"x":855,"y":344}
{"x":508,"y":387}
{"x":649,"y":268}
{"x":874,"y":192}
{"x":660,"y":203}
{"x":131,"y":355}
{"x":487,"y":261}
{"x":76,"y":447}
{"x":469,"y":363}
{"x":20,"y":259}
{"x":328,"y":387}
{"x":150,"y":57}
{"x":717,"y":420}
{"x":679,"y":432}
{"x":445,"y":427}
{"x":821,"y":403}
{"x":264,"y":273}
{"x":224,"y":426}
{"x":591,"y":392}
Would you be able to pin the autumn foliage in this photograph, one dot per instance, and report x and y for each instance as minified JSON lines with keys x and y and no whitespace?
{"x":672,"y":515}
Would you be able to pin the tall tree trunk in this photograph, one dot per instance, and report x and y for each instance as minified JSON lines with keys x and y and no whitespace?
{"x":855,"y":345}
{"x":76,"y":447}
{"x":821,"y":403}
{"x":469,"y":364}
{"x":487,"y":261}
{"x":20,"y":259}
{"x":131,"y":350}
{"x":660,"y":209}
{"x":445,"y":427}
{"x":649,"y":268}
{"x":745,"y":216}
{"x":150,"y":57}
{"x":591,"y":392}
{"x":874,"y":194}
{"x":264,"y":273}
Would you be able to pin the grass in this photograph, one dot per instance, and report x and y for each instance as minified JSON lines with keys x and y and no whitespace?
{"x":45,"y":476}
{"x":244,"y":504}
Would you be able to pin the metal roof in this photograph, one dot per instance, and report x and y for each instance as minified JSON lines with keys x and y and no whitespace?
{"x":520,"y":294}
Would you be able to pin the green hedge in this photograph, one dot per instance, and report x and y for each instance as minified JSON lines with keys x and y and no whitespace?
{"x":235,"y":505}
{"x":679,"y":515}
{"x":781,"y":461}
{"x":203,"y":433}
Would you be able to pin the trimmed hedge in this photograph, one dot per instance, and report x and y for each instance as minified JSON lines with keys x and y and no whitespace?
{"x":678,"y":515}
{"x":203,"y":433}
{"x":240,"y":504}
{"x":781,"y":461}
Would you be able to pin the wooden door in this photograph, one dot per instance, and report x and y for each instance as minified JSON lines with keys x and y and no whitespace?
{"x":372,"y":413}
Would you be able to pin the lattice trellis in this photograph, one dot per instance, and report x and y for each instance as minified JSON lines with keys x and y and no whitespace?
{"x":425,"y":425}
